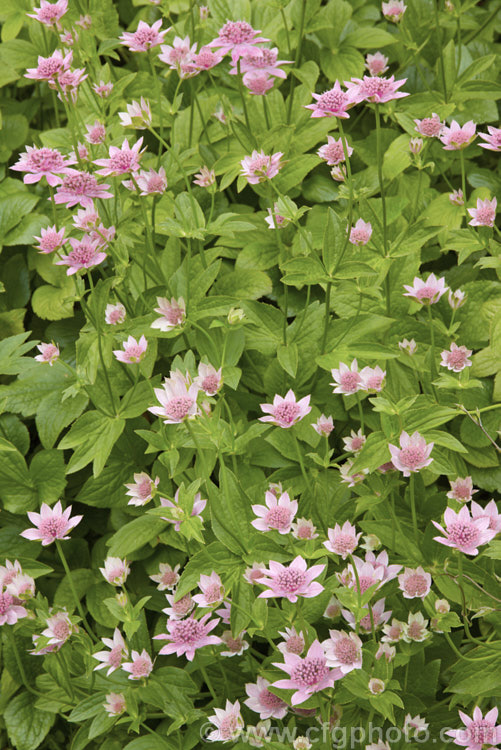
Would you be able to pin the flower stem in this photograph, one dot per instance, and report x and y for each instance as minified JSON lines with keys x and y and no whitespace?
{"x":383,"y":203}
{"x":12,"y":640}
{"x":300,"y":459}
{"x":198,"y":449}
{"x":441,"y":58}
{"x":433,"y":369}
{"x":297,"y":61}
{"x":73,"y":590}
{"x":158,"y":90}
{"x":360,"y":412}
{"x":413,"y":508}
{"x":359,"y":592}
{"x":463,"y":181}
{"x":244,"y":104}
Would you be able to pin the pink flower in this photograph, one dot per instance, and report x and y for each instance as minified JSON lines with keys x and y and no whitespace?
{"x":173,"y":314}
{"x":257,"y":82}
{"x":456,"y":299}
{"x":292,"y":580}
{"x":361,"y":233}
{"x":381,"y":560}
{"x":85,"y":254}
{"x":348,"y":477}
{"x":339,"y":173}
{"x":149,"y":182}
{"x":212,"y":590}
{"x":85,"y":22}
{"x":456,"y":359}
{"x":115,"y":704}
{"x":177,"y":402}
{"x":307,"y":676}
{"x":69,"y":81}
{"x":50,"y":13}
{"x":115,"y":314}
{"x":142,"y":490}
{"x":274,"y":219}
{"x":379,"y":616}
{"x":415,"y":146}
{"x":376,"y":64}
{"x":180,"y":608}
{"x":393,"y":10}
{"x":49,"y":68}
{"x":375,"y":89}
{"x":236,"y":36}
{"x":180,"y":52}
{"x":209,"y":380}
{"x":103,"y":89}
{"x":426,"y":292}
{"x":50,"y":240}
{"x":414,"y":582}
{"x":373,"y":378}
{"x":293,"y":641}
{"x":303,"y":528}
{"x":347,"y":379}
{"x":415,"y":628}
{"x":115,"y":571}
{"x":138,"y":115}
{"x":431,"y":127}
{"x":228,"y":722}
{"x":457,"y":137}
{"x":186,"y":636}
{"x":464,"y":532}
{"x":323,"y":426}
{"x":263,"y":702}
{"x":389,"y":652}
{"x":414,"y":725}
{"x":342,"y":540}
{"x":332,"y":103}
{"x":59,"y":628}
{"x":9,"y":572}
{"x":461,"y":489}
{"x":51,"y":523}
{"x":368,"y":575}
{"x":206,"y":58}
{"x":253,"y":574}
{"x":205,"y":178}
{"x":235,"y":646}
{"x":178,"y":514}
{"x":121,"y":160}
{"x":79,"y":188}
{"x":484,"y":214}
{"x":114,"y":657}
{"x":167,"y":577}
{"x":480,"y":730}
{"x":286,"y":411}
{"x":407,"y":346}
{"x":140,"y":666}
{"x":42,"y":162}
{"x":355,"y":442}
{"x":262,"y":60}
{"x":10,"y":612}
{"x":333,"y":152}
{"x":133,"y":350}
{"x":413,"y":454}
{"x":457,"y":197}
{"x":259,"y":167}
{"x":493,"y":140}
{"x":394,"y":632}
{"x":144,"y":37}
{"x":278,"y":513}
{"x":490,"y":511}
{"x":343,"y":651}
{"x":48,"y":353}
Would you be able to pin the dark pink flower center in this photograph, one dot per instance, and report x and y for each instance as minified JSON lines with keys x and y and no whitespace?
{"x":236,"y":32}
{"x":179,"y":407}
{"x":295,"y":644}
{"x":412,"y":456}
{"x":50,"y":241}
{"x":366,"y":582}
{"x":278,"y":517}
{"x":344,"y":543}
{"x":349,"y":381}
{"x":210,"y":384}
{"x":187,"y":631}
{"x":169,"y":578}
{"x":80,"y":184}
{"x":463,"y":534}
{"x":426,"y":292}
{"x":345,"y":650}
{"x":459,"y":137}
{"x":233,"y":644}
{"x":430,"y":126}
{"x":376,"y":87}
{"x":141,"y":667}
{"x":457,"y":358}
{"x":145,"y":37}
{"x":45,"y":160}
{"x":183,"y":606}
{"x":229,"y":727}
{"x":52,"y":527}
{"x":82,"y":255}
{"x":6,"y":602}
{"x":304,"y":531}
{"x":155,"y":184}
{"x":50,"y":67}
{"x":309,"y":672}
{"x":485,"y":214}
{"x":115,"y":657}
{"x":462,"y":491}
{"x":213,"y":593}
{"x":373,"y":383}
{"x":123,"y":161}
{"x":134,"y":352}
{"x":259,"y":164}
{"x":290,"y":580}
{"x":416,"y":585}
{"x":144,"y":488}
{"x":332,"y":101}
{"x":481,"y":732}
{"x":415,"y":631}
{"x":270,"y":700}
{"x":61,"y":630}
{"x":286,"y":412}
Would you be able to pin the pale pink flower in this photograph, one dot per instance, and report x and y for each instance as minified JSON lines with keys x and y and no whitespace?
{"x":206,"y":58}
{"x":414,"y":725}
{"x":457,"y":197}
{"x":456,"y":137}
{"x":68,"y":82}
{"x":291,"y":581}
{"x":115,"y":314}
{"x":376,"y":686}
{"x":205,"y":178}
{"x":286,"y":411}
{"x":355,"y":441}
{"x":379,"y":616}
{"x":115,"y":704}
{"x":137,"y":116}
{"x":415,"y":146}
{"x":22,"y":586}
{"x":333,"y":609}
{"x":178,"y":515}
{"x":333,"y":151}
{"x":348,"y":477}
{"x":9,"y":572}
{"x":49,"y":13}
{"x":278,"y":513}
{"x":140,"y":666}
{"x":10,"y":611}
{"x":115,"y":571}
{"x":113,"y":658}
{"x":347,"y":380}
{"x":145,"y":37}
{"x":236,"y":36}
{"x":479,"y":731}
{"x":167,"y":577}
{"x":42,"y":162}
{"x":375,"y":89}
{"x":274,"y":219}
{"x":186,"y":636}
{"x":493,"y":140}
{"x":464,"y":532}
{"x":303,"y":528}
{"x":82,"y":152}
{"x":204,"y":12}
{"x":253,"y":574}
{"x":181,"y":51}
{"x":180,"y":608}
{"x":212,"y":590}
{"x":225,"y":612}
{"x":389,"y":652}
{"x":426,"y":292}
{"x":456,"y":299}
{"x":173,"y":314}
{"x":442,"y":606}
{"x":259,"y":167}
{"x":461,"y":489}
{"x":260,"y":59}
{"x":234,"y":646}
{"x":48,"y":353}
{"x":133,"y":351}
{"x":49,"y":68}
{"x":373,"y":378}
{"x":142,"y":490}
{"x":85,"y":22}
{"x":228,"y":722}
{"x":371,"y":541}
{"x":394,"y":632}
{"x":343,"y":540}
{"x":332,"y":103}
{"x":368,"y":576}
{"x":393,"y":10}
{"x":258,"y":82}
{"x":490,"y":511}
{"x":376,"y":64}
{"x":323,"y":426}
{"x":381,"y":560}
{"x":87,"y":219}
{"x":361,"y":233}
{"x":343,"y":651}
{"x":121,"y":160}
{"x":103,"y":89}
{"x":413,"y":454}
{"x":84,"y":254}
{"x":50,"y":239}
{"x":263,"y":702}
{"x":68,"y":37}
{"x":307,"y":675}
{"x":339,"y":173}
{"x":415,"y":629}
{"x":293,"y":642}
{"x":80,"y":188}
{"x":177,"y":402}
{"x":51,"y":524}
{"x":209,"y":380}
{"x":484,"y":214}
{"x":414,"y":582}
{"x":149,"y":182}
{"x":220,"y":115}
{"x":59,"y":628}
{"x":407,"y":346}
{"x":456,"y":358}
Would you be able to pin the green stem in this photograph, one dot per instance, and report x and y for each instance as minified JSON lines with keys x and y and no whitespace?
{"x":73,"y":590}
{"x":67,"y":679}
{"x":300,"y":459}
{"x":359,"y":591}
{"x":360,"y":411}
{"x":327,"y":315}
{"x":462,"y":656}
{"x":433,"y":369}
{"x":441,"y":59}
{"x":97,"y":324}
{"x":244,"y":104}
{"x":383,"y":204}
{"x":51,"y":191}
{"x":463,"y":182}
{"x":413,"y":508}
{"x":156,"y":79}
{"x":198,"y":449}
{"x":208,"y":683}
{"x":297,"y":61}
{"x":266,"y":113}
{"x":13,"y":645}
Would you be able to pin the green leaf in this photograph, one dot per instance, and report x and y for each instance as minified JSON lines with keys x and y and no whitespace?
{"x":47,"y":472}
{"x":54,"y":414}
{"x":213,"y":557}
{"x":334,"y":237}
{"x":230,"y":512}
{"x":26,"y":726}
{"x":369,"y":37}
{"x":92,"y":436}
{"x":299,"y":271}
{"x":17,"y":488}
{"x":54,"y":302}
{"x":288,"y":357}
{"x":243,"y":284}
{"x":135,"y":535}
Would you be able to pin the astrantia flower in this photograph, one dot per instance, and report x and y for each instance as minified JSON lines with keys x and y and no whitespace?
{"x":324,"y":425}
{"x":48,"y":353}
{"x":456,"y":358}
{"x":133,"y":350}
{"x":253,"y":574}
{"x":376,"y":64}
{"x":85,"y":254}
{"x":291,"y":581}
{"x":293,"y":642}
{"x":10,"y":610}
{"x":143,"y":489}
{"x":456,"y":299}
{"x":375,"y":89}
{"x":373,"y":378}
{"x":343,"y":651}
{"x":167,"y":577}
{"x":431,"y":127}
{"x":121,"y":160}
{"x":9,"y":571}
{"x":207,"y":58}
{"x":367,"y":574}
{"x":80,"y":188}
{"x":115,"y":570}
{"x":464,"y":532}
{"x":393,"y":10}
{"x":493,"y":140}
{"x":407,"y":346}
{"x":144,"y":37}
{"x":263,"y":702}
{"x":426,"y":292}
{"x":173,"y":314}
{"x":303,"y":528}
{"x":381,"y":561}
{"x":59,"y":628}
{"x":205,"y":178}
{"x":457,"y":197}
{"x":457,"y":137}
{"x":115,"y":314}
{"x":376,"y":686}
{"x":274,"y":219}
{"x":186,"y":636}
{"x":178,"y":515}
{"x":484,"y":214}
{"x":490,"y":511}
{"x":416,"y":628}
{"x":415,"y":145}
{"x":414,"y":582}
{"x":177,"y":402}
{"x":137,"y":116}
{"x":103,"y":89}
{"x":332,"y":103}
{"x":343,"y":540}
{"x":140,"y":666}
{"x":338,"y":173}
{"x":461,"y":489}
{"x":209,"y":380}
{"x":348,"y":476}
{"x":50,"y":239}
{"x":51,"y":523}
{"x":68,"y":82}
{"x":212,"y":590}
{"x":347,"y":379}
{"x":259,"y":167}
{"x":413,"y":454}
{"x":333,"y":151}
{"x":42,"y":162}
{"x":228,"y":723}
{"x":394,"y":632}
{"x":379,"y":616}
{"x":113,"y":658}
{"x":234,"y":646}
{"x":236,"y":36}
{"x":480,"y":731}
{"x":50,"y":13}
{"x":180,"y":608}
{"x":286,"y":411}
{"x":333,"y":609}
{"x":49,"y":68}
{"x":414,"y":725}
{"x":308,"y":675}
{"x":278,"y":513}
{"x":115,"y":704}
{"x":181,"y":51}
{"x":355,"y":441}
{"x":262,"y":60}
{"x":361,"y":233}
{"x":389,"y":652}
